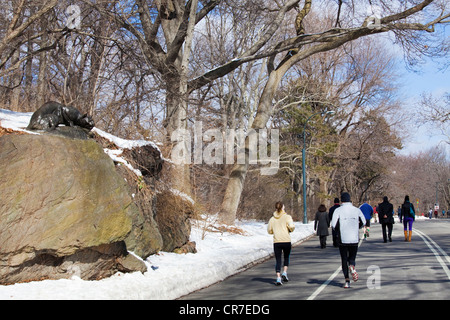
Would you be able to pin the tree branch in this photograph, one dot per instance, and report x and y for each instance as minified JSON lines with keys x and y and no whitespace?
{"x":327,"y":40}
{"x":15,"y":31}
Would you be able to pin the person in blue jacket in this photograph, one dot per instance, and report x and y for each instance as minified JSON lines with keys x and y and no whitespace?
{"x":368,"y":212}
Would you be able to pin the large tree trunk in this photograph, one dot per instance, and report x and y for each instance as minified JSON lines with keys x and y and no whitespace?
{"x":235,"y":185}
{"x":178,"y":137}
{"x":41,"y":94}
{"x":177,"y":104}
{"x":16,"y":79}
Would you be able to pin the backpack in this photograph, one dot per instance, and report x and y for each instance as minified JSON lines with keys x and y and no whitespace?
{"x":409,"y":212}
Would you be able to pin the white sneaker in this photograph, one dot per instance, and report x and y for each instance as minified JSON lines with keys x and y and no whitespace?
{"x":353,"y":273}
{"x":279,"y":283}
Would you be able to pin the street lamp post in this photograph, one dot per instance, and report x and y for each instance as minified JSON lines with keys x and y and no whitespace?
{"x":305,"y":216}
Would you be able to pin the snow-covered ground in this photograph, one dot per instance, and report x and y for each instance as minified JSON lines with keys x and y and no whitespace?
{"x":170,"y":275}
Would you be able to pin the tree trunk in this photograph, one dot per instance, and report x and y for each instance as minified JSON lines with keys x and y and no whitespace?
{"x":178,"y":136}
{"x":177,"y":110}
{"x":235,"y":185}
{"x":265,"y":109}
{"x":16,"y":79}
{"x":41,"y":94}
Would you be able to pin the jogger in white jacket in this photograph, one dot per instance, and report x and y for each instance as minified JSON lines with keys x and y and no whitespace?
{"x":346,"y":219}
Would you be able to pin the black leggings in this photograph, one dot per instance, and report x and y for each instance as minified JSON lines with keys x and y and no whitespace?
{"x":278,"y":248}
{"x":348,"y":257}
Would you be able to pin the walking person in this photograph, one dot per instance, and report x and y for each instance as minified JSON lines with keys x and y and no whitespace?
{"x":347,"y":219}
{"x":408,"y":215}
{"x":367,"y":212}
{"x":280,"y":225}
{"x":330,"y":215}
{"x":375,"y":214}
{"x":386,"y":215}
{"x":321,"y":225}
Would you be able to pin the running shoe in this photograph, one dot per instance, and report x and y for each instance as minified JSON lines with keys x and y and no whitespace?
{"x":279,"y":283}
{"x":354,"y":273}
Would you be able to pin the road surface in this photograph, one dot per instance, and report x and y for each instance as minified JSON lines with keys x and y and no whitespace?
{"x":396,"y":270}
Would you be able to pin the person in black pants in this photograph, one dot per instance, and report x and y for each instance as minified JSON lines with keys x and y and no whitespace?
{"x":347,"y":220}
{"x":280,"y":225}
{"x":386,"y":215}
{"x":330,"y":214}
{"x":321,"y":225}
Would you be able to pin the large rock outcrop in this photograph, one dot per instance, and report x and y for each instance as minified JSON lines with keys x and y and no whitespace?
{"x":145,"y":238}
{"x":163,"y":220}
{"x":64,"y":210}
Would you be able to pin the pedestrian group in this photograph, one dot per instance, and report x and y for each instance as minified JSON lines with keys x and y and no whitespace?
{"x":345,"y":220}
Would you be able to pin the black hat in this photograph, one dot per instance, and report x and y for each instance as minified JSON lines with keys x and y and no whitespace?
{"x":345,"y":197}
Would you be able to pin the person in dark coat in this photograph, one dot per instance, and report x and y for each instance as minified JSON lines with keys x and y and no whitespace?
{"x":321,"y":225}
{"x":386,"y":215}
{"x":330,"y":215}
{"x":408,"y":215}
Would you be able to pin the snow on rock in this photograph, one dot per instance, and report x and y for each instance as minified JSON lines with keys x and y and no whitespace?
{"x":123,"y":143}
{"x":18,"y":121}
{"x":14,"y":120}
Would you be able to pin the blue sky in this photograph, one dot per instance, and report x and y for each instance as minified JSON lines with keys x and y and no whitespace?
{"x":429,"y":80}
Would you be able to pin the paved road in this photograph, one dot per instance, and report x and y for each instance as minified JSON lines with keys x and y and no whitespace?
{"x":396,"y":270}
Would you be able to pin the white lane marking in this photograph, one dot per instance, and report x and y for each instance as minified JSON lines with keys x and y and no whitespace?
{"x":323,"y":286}
{"x":429,"y":242}
{"x":326,"y":283}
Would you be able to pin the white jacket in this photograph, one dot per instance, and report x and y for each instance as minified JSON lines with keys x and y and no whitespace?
{"x":348,"y":217}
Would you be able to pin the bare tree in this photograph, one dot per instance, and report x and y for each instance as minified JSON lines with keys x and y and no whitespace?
{"x":424,"y":177}
{"x":305,"y":45}
{"x":161,"y":29}
{"x":350,"y":150}
{"x":20,"y":20}
{"x":435,"y":112}
{"x":18,"y":24}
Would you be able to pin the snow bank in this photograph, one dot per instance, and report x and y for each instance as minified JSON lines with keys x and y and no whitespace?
{"x":169,"y":275}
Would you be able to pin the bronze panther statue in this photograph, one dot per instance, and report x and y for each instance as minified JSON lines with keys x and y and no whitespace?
{"x":51,"y":114}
